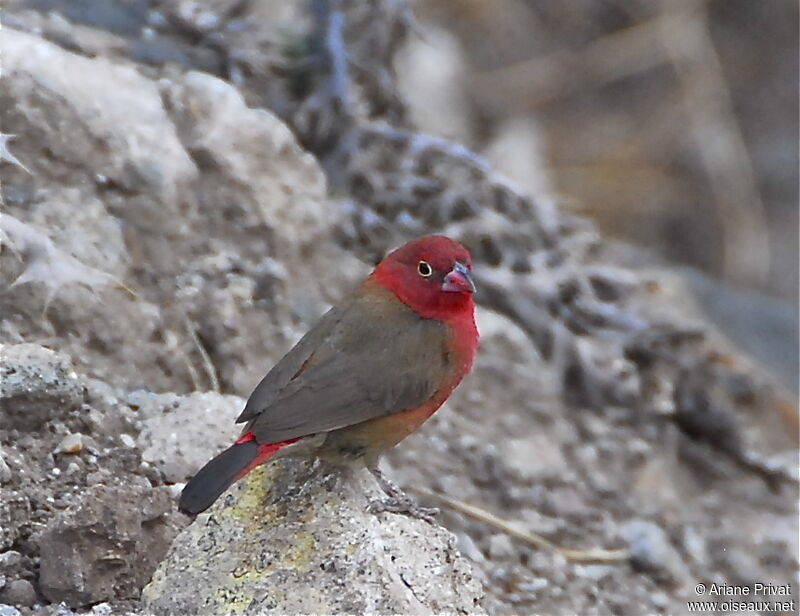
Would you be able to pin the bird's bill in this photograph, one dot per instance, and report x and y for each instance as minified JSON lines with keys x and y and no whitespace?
{"x":458,"y":280}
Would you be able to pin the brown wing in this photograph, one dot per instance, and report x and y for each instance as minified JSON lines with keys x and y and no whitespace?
{"x":378,"y":357}
{"x":270,"y":387}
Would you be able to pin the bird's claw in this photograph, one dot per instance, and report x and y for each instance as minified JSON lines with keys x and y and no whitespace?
{"x":397,"y":501}
{"x":403,"y":506}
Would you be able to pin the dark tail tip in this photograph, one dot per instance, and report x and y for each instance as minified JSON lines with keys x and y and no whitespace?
{"x":215,"y":477}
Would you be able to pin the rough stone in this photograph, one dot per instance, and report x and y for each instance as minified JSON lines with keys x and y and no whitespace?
{"x":651,"y":550}
{"x":179,"y":435}
{"x":5,"y":470}
{"x":19,"y":592}
{"x":106,"y":546}
{"x":10,"y":559}
{"x":36,"y":386}
{"x":15,"y":514}
{"x":295,"y":537}
{"x":124,"y":128}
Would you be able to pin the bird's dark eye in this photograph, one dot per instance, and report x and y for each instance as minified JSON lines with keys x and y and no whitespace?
{"x":424,"y":268}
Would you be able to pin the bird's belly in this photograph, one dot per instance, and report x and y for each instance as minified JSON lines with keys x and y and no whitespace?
{"x":374,"y":436}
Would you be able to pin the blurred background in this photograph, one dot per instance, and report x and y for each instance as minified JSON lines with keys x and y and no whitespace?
{"x":673,"y":125}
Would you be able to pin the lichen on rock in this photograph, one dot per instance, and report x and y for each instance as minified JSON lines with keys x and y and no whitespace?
{"x":295,"y":536}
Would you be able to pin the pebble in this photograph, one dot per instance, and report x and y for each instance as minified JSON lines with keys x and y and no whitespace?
{"x":651,"y":549}
{"x":533,"y":586}
{"x":127,"y":440}
{"x":5,"y":471}
{"x":500,"y":547}
{"x":9,"y":559}
{"x":102,"y":609}
{"x":175,"y":489}
{"x":694,"y":544}
{"x":594,"y":572}
{"x":19,"y":592}
{"x":9,"y":610}
{"x":71,"y":444}
{"x":660,"y":600}
{"x":63,"y":610}
{"x":468,"y":548}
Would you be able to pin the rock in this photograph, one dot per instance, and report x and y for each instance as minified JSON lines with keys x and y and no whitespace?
{"x":179,"y":435}
{"x":37,"y":385}
{"x":70,"y":444}
{"x":107,"y":546}
{"x":15,"y":515}
{"x":9,"y":559}
{"x":19,"y":592}
{"x":122,"y":131}
{"x":216,"y":125}
{"x":5,"y":470}
{"x":651,"y":550}
{"x":432,"y":70}
{"x":466,"y":547}
{"x":8,"y":610}
{"x":536,"y":456}
{"x":500,"y":547}
{"x":295,"y":537}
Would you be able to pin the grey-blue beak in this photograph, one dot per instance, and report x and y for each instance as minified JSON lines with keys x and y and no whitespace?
{"x":458,"y":280}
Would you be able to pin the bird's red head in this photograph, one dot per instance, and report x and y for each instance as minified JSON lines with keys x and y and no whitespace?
{"x":431,"y":275}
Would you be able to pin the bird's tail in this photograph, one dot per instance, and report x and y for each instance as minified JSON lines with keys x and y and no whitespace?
{"x":228,"y":467}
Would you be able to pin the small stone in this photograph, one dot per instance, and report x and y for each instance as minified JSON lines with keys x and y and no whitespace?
{"x":19,"y":592}
{"x":533,"y":586}
{"x":651,"y":550}
{"x":102,"y":609}
{"x":175,"y":489}
{"x":660,"y":600}
{"x":63,"y":610}
{"x":500,"y":547}
{"x":8,"y":610}
{"x":70,"y":444}
{"x":9,"y":559}
{"x":594,"y":572}
{"x":127,"y":440}
{"x":467,"y":547}
{"x":694,"y":544}
{"x":5,"y":471}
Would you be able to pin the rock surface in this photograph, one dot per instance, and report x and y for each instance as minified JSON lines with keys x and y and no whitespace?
{"x":36,"y":386}
{"x":181,"y":433}
{"x":295,"y":538}
{"x":106,"y":545}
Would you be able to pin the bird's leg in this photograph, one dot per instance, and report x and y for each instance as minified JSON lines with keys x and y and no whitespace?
{"x":397,"y":501}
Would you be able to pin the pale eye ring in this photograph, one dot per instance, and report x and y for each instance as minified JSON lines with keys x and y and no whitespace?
{"x":424,"y":269}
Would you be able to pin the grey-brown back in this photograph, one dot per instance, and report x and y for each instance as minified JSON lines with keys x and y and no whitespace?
{"x":368,"y":357}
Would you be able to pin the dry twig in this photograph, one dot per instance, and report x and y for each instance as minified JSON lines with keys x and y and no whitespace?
{"x":531,"y":538}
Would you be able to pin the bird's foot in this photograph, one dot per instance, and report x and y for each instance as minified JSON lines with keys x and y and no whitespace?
{"x":398,"y":501}
{"x":404,"y":506}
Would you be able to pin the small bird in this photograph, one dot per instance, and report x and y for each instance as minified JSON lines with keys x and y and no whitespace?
{"x":367,"y":375}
